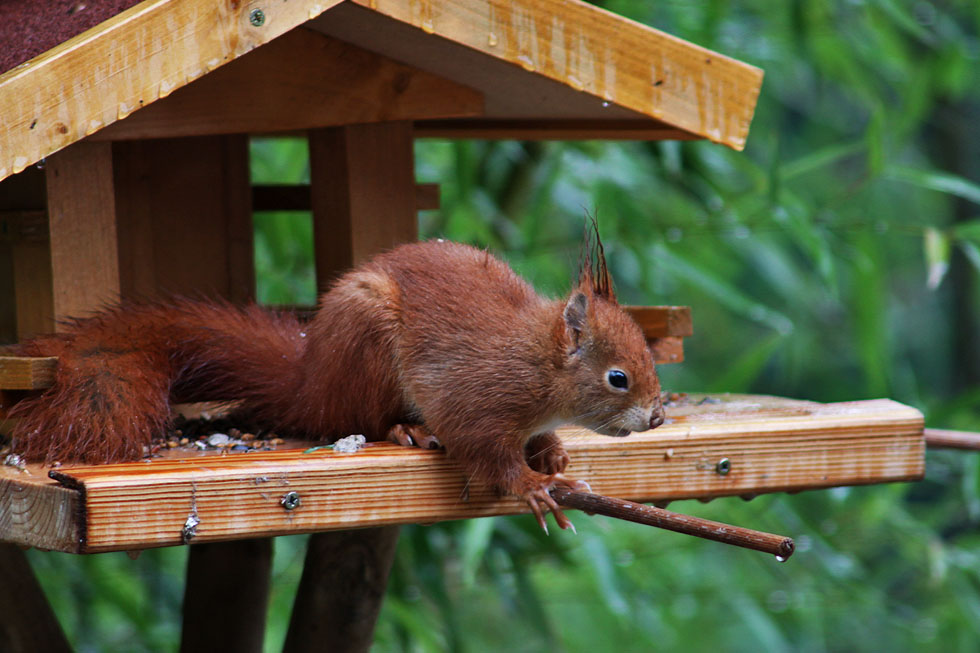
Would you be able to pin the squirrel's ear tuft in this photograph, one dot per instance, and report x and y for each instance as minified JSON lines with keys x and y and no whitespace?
{"x":576,"y":318}
{"x":593,"y":273}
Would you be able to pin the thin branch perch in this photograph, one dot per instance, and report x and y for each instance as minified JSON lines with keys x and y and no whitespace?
{"x":947,"y":439}
{"x":778,"y":545}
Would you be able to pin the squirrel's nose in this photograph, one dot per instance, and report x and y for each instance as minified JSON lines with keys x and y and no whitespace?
{"x":657,"y":418}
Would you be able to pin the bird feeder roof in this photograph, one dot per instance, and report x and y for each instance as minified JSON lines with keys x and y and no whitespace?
{"x":456,"y":68}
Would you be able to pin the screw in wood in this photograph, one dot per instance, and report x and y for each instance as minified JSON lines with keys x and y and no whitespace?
{"x":723,"y":467}
{"x":257,"y":18}
{"x":290,"y":501}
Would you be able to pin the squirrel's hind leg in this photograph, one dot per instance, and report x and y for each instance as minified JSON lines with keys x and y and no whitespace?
{"x":413,"y":435}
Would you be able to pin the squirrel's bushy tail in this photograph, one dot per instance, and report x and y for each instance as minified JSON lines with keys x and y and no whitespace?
{"x":119,"y":371}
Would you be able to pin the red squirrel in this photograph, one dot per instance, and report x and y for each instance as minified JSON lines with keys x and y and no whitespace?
{"x":430,"y":343}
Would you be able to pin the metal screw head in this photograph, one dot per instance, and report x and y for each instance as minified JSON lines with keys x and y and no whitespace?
{"x":257,"y":18}
{"x":290,"y":501}
{"x":723,"y":467}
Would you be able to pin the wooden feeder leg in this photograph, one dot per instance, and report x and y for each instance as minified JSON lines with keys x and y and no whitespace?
{"x":27,"y":623}
{"x":340,"y":594}
{"x":226,"y":596}
{"x":363,"y":198}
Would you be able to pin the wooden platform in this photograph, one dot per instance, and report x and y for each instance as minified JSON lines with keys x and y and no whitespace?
{"x":770,"y":445}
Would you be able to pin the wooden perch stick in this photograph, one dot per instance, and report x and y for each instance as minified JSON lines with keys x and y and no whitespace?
{"x":947,"y":439}
{"x":777,"y":545}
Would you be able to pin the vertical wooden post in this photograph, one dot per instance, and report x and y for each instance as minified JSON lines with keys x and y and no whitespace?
{"x":362,"y":193}
{"x":27,"y":623}
{"x":185,"y":222}
{"x":82,"y":228}
{"x":363,"y":197}
{"x":221,"y":612}
{"x":26,"y":305}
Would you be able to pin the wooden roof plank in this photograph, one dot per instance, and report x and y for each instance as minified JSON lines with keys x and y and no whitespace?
{"x":595,"y":51}
{"x":329,"y":83}
{"x":771,"y":444}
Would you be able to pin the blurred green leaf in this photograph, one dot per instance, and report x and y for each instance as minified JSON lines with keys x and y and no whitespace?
{"x":943,"y":182}
{"x":936,"y":246}
{"x":475,"y":540}
{"x":825,"y":156}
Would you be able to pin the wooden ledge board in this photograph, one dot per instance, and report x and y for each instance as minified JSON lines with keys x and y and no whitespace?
{"x":26,"y":373}
{"x":771,"y":444}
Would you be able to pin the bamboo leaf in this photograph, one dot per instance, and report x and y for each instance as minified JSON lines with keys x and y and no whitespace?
{"x":969,"y":230}
{"x":823,"y":157}
{"x":943,"y":182}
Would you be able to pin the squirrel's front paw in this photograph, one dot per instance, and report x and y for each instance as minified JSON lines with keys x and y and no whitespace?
{"x":546,"y":454}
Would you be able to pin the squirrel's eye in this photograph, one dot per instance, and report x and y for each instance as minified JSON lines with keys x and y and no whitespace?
{"x":617,"y":379}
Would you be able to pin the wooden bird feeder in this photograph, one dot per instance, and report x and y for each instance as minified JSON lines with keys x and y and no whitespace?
{"x":124,"y":172}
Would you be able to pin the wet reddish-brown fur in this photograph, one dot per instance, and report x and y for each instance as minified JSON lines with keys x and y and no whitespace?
{"x":438,"y":334}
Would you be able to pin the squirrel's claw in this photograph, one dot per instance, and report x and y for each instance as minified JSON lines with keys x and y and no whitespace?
{"x":413,"y":435}
{"x":540,"y":495}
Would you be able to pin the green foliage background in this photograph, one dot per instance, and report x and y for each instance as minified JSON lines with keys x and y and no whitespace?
{"x":835,"y":258}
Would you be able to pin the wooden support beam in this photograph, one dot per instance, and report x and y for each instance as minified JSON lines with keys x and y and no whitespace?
{"x":122,"y":227}
{"x":340,"y":593}
{"x":363,"y":193}
{"x":31,"y":273}
{"x":771,"y":445}
{"x":282,"y":197}
{"x":226,"y":596}
{"x":25,"y":264}
{"x":301,"y":80}
{"x":551,"y":130}
{"x":27,"y":623}
{"x":82,"y":229}
{"x":169,"y":245}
